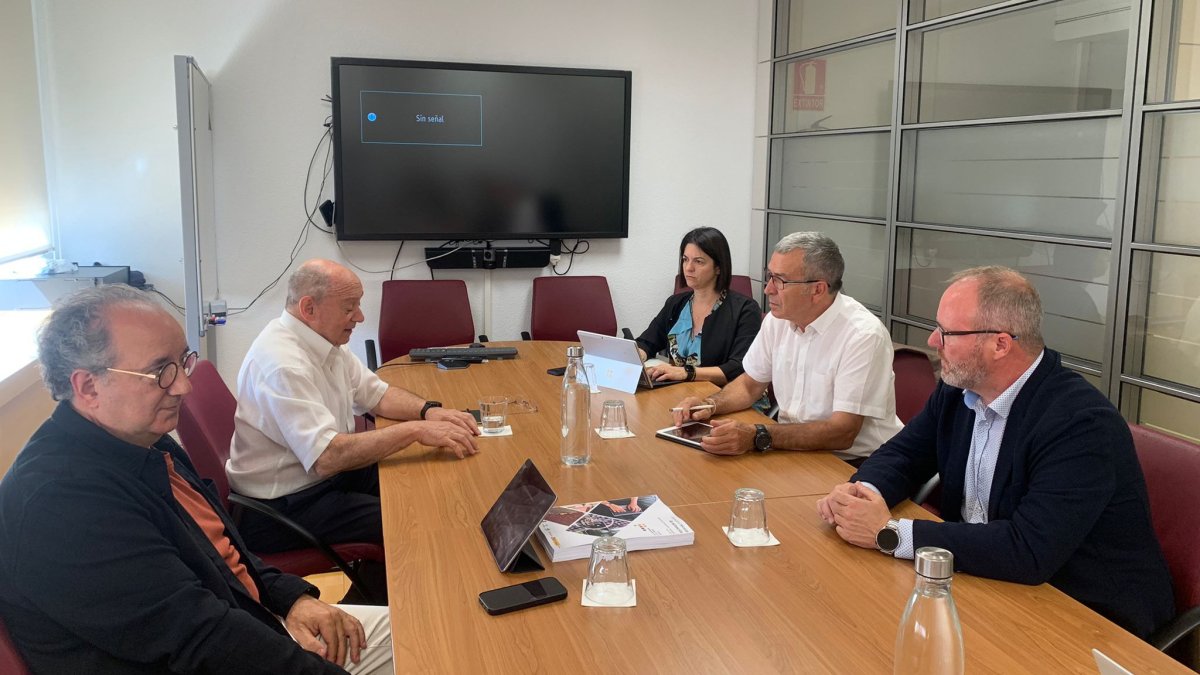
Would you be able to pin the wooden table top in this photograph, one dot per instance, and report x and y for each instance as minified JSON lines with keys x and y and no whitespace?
{"x":812,"y":604}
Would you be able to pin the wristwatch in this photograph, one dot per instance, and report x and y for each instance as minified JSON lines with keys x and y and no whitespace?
{"x":762,"y":438}
{"x":690,"y":370}
{"x":887,"y":540}
{"x":429,"y":404}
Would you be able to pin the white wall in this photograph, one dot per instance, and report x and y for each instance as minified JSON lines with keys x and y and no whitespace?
{"x":24,"y":210}
{"x":111,"y":119}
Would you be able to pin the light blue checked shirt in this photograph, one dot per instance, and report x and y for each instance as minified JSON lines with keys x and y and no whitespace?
{"x":990,"y":421}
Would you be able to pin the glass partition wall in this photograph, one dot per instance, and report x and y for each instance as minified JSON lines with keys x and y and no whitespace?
{"x":1058,"y":137}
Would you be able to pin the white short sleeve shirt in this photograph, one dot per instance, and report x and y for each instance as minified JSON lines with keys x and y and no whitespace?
{"x":295,"y":392}
{"x":840,"y":362}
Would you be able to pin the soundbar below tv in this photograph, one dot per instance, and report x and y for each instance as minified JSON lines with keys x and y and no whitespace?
{"x":459,"y":151}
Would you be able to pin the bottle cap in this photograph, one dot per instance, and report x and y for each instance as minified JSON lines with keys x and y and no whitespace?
{"x":934,"y":563}
{"x":575,"y":352}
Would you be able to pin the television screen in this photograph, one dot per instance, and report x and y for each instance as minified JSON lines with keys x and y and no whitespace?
{"x":451,"y":151}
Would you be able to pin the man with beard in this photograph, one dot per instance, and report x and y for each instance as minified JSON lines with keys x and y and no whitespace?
{"x":1040,"y":482}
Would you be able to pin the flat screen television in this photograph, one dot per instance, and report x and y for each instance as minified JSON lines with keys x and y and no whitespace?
{"x":462,"y":151}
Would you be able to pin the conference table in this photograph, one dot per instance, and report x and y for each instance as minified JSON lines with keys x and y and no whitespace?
{"x":811,"y":604}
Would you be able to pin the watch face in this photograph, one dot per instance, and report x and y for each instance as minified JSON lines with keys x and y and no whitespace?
{"x":887,"y":539}
{"x":762,"y":439}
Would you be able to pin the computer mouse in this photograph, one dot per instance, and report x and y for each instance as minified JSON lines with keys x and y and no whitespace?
{"x":477,"y":345}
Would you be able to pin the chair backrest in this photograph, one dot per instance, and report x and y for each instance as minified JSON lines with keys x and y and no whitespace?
{"x":738,"y":283}
{"x":1172,"y":469}
{"x":564,"y":305}
{"x":206,"y":425}
{"x":423,"y":314}
{"x":915,"y":381}
{"x":11,"y":661}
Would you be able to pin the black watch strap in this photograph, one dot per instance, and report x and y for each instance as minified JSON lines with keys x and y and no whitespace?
{"x":429,"y":404}
{"x":690,"y":370}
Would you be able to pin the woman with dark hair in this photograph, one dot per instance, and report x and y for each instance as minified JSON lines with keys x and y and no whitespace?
{"x":703,"y":332}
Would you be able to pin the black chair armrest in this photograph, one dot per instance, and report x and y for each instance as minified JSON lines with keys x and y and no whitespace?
{"x":483,"y":338}
{"x":312,"y":540}
{"x":626,"y":333}
{"x":372,"y":358}
{"x":1176,"y":630}
{"x":525,"y":335}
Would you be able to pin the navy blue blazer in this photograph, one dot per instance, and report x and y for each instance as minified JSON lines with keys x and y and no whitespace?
{"x":102,"y":571}
{"x":1068,"y":503}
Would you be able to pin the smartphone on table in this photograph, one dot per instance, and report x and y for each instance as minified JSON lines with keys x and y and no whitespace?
{"x":520,"y":596}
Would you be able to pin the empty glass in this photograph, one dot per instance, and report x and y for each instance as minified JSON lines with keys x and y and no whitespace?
{"x":493,"y":414}
{"x":748,"y":520}
{"x":590,"y":369}
{"x":608,"y":581}
{"x":612,"y":418}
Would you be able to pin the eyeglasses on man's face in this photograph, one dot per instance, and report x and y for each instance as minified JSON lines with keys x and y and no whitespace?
{"x":770,"y":277}
{"x":166,"y":375}
{"x":941,"y":334}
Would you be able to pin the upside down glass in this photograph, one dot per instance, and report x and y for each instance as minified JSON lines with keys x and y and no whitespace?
{"x":748,"y":519}
{"x":612,"y":417}
{"x":608,"y":581}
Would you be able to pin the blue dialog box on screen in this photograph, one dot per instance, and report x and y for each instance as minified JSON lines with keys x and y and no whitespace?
{"x":421,"y":118}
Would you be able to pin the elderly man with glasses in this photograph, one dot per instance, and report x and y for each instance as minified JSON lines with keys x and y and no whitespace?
{"x":1040,"y":482}
{"x":114,"y":556}
{"x":829,"y":358}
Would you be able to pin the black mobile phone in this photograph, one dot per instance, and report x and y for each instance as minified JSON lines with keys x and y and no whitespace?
{"x":452,"y":364}
{"x":475,"y":413}
{"x":558,"y":372}
{"x":520,"y":596}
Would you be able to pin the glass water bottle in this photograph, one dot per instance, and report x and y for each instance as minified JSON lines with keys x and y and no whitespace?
{"x":930,"y":641}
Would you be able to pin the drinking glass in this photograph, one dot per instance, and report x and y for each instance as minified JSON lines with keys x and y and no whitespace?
{"x":748,"y":520}
{"x":612,"y":417}
{"x":590,"y":370}
{"x":608,"y":581}
{"x":493,"y":414}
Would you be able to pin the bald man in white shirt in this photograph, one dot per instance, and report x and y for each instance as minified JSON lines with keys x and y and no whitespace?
{"x":829,"y":358}
{"x":299,"y":388}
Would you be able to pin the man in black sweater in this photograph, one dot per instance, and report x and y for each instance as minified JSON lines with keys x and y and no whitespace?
{"x":1040,"y":481}
{"x":114,"y":556}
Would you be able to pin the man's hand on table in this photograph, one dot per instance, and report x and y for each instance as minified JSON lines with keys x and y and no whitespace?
{"x":857,"y":513}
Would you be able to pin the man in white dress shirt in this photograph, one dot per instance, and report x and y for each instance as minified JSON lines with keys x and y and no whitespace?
{"x":829,"y":358}
{"x":299,"y":388}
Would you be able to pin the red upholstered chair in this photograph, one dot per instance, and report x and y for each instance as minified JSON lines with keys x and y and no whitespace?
{"x":1172,"y":469}
{"x":206,"y":428}
{"x":423,"y":314}
{"x":738,"y":283}
{"x":11,"y":661}
{"x":564,"y":305}
{"x":915,"y":381}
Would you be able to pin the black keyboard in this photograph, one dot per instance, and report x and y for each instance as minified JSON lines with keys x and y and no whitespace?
{"x":464,"y":353}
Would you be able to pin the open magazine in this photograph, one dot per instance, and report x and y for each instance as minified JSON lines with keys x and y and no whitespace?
{"x":567,"y":532}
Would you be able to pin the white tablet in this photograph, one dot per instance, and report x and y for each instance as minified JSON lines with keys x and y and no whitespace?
{"x":689,"y":434}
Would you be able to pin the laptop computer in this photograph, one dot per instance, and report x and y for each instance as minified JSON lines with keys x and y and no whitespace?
{"x":619,"y":364}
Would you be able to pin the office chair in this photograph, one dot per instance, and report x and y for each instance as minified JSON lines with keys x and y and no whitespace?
{"x":11,"y":661}
{"x":738,"y":283}
{"x":206,"y":428}
{"x":1172,"y":469}
{"x":422,"y":313}
{"x":915,"y":381}
{"x":564,"y":305}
